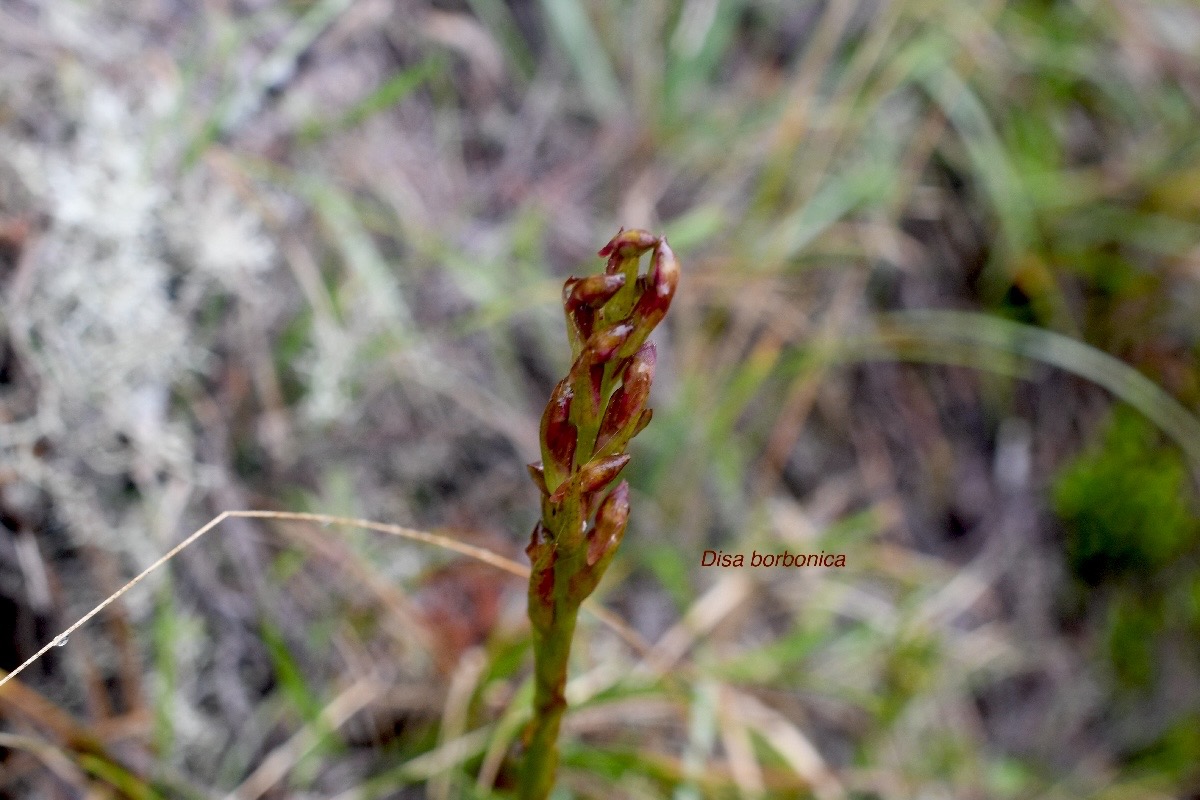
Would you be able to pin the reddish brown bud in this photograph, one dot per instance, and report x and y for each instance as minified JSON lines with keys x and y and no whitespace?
{"x":558,"y":434}
{"x":626,"y":404}
{"x":542,"y":556}
{"x":537,"y":541}
{"x":611,"y":520}
{"x":627,"y":244}
{"x":544,"y":583}
{"x":665,"y":268}
{"x":592,"y":477}
{"x":660,"y":283}
{"x":657,"y":290}
{"x":568,"y":287}
{"x":639,"y":371}
{"x":602,"y":344}
{"x":538,"y":474}
{"x":598,"y":473}
{"x":593,"y":291}
{"x":596,"y":386}
{"x":583,"y":319}
{"x":643,"y":421}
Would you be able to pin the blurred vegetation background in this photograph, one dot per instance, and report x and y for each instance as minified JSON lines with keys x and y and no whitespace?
{"x":940,"y":312}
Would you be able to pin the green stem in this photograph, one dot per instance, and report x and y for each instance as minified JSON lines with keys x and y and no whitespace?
{"x":553,"y":630}
{"x":552,"y":650}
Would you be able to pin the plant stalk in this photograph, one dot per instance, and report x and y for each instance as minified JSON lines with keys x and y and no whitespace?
{"x":590,"y":418}
{"x":552,"y":652}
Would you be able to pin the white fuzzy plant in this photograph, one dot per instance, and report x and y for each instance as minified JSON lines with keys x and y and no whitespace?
{"x":89,"y":314}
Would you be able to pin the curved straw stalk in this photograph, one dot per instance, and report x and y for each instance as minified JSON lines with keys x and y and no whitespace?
{"x":444,"y":542}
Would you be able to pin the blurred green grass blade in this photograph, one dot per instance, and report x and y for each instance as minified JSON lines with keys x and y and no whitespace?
{"x":702,"y":735}
{"x":166,"y":634}
{"x":229,"y":42}
{"x":1076,"y":357}
{"x":989,"y":157}
{"x":378,"y":292}
{"x":837,"y":197}
{"x":570,"y":22}
{"x":305,"y":700}
{"x":395,"y":89}
{"x":508,"y":728}
{"x":904,"y":345}
{"x":698,"y":44}
{"x":130,"y":785}
{"x":696,"y":227}
{"x":289,"y":675}
{"x":421,"y":768}
{"x":778,"y":659}
{"x":673,"y":571}
{"x":282,"y":62}
{"x":854,"y":531}
{"x":619,"y":763}
{"x":497,"y":18}
{"x":702,"y":34}
{"x":738,"y":391}
{"x":1156,"y":233}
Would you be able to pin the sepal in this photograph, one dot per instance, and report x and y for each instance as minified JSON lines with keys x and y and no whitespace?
{"x":558,"y":436}
{"x":627,"y":402}
{"x":629,"y":243}
{"x":537,"y":473}
{"x":611,"y":520}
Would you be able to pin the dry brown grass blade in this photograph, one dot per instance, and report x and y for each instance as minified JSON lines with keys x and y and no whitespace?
{"x":704,"y":615}
{"x":444,"y":542}
{"x":62,"y":637}
{"x":54,"y":759}
{"x":463,"y":683}
{"x":402,"y":616}
{"x":744,"y":767}
{"x":281,"y":760}
{"x":23,"y":700}
{"x":26,"y":700}
{"x":786,"y":739}
{"x":438,"y":760}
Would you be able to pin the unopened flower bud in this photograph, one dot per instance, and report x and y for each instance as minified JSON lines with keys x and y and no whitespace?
{"x":558,"y":435}
{"x":660,"y":283}
{"x":538,"y":474}
{"x":643,"y":421}
{"x":592,"y":477}
{"x":542,"y":557}
{"x":611,"y":520}
{"x":626,"y":404}
{"x":656,"y":291}
{"x":602,"y":344}
{"x":595,"y":386}
{"x":593,"y":291}
{"x":598,"y":473}
{"x":538,"y":539}
{"x":629,"y":243}
{"x":581,"y":322}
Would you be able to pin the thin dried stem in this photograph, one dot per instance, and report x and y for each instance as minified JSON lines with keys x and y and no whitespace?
{"x":444,"y":542}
